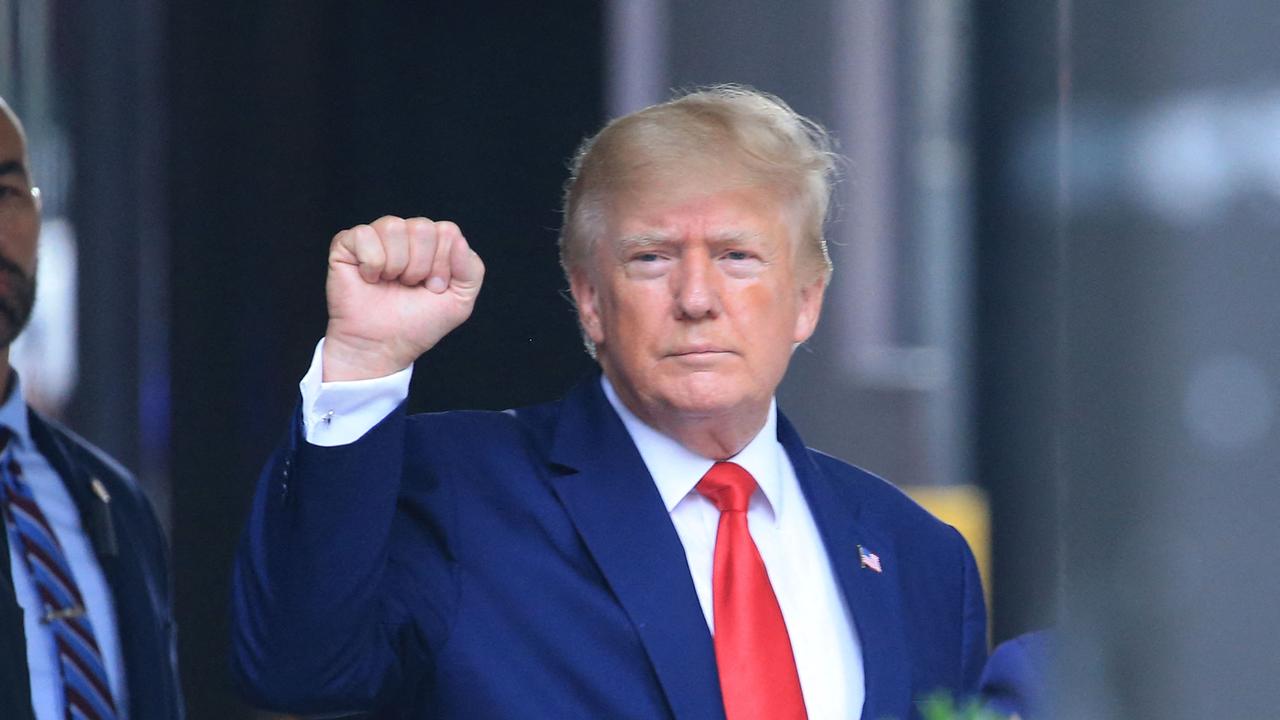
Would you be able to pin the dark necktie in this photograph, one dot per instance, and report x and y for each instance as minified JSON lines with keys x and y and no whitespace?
{"x":758,"y":677}
{"x":84,"y":677}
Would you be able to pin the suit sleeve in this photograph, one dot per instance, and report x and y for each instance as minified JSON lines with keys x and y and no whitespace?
{"x":319,"y":624}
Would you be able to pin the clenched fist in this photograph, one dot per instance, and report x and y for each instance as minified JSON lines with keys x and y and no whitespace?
{"x":395,"y":288}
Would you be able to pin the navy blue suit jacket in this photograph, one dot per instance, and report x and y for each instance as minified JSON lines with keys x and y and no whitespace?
{"x":523,"y":565}
{"x":1016,"y":680}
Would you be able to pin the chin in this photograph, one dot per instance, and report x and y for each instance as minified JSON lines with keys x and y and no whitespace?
{"x":705,"y":397}
{"x":9,"y":332}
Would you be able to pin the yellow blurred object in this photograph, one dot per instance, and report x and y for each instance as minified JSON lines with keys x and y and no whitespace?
{"x":965,"y":508}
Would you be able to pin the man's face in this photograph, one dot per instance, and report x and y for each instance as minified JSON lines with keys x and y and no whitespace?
{"x":19,"y":228}
{"x":694,"y":302}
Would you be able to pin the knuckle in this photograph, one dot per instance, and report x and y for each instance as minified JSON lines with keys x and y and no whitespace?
{"x":421,"y":230}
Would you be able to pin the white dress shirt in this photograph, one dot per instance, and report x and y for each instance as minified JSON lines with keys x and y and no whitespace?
{"x":61,"y":512}
{"x":823,"y":638}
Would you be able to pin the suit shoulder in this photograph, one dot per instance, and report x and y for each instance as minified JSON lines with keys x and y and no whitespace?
{"x":87,"y":457}
{"x":881,"y":499}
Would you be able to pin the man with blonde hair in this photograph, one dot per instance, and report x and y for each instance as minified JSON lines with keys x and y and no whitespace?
{"x":659,"y":542}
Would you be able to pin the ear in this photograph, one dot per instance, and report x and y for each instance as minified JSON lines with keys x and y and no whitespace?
{"x":810,"y":307}
{"x":587,"y":299}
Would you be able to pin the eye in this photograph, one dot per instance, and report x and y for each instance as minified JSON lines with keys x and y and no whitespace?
{"x":646,"y":264}
{"x":10,"y":191}
{"x":738,"y":256}
{"x":740,"y":263}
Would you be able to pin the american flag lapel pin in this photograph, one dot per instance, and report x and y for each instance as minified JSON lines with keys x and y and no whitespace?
{"x":868,"y":559}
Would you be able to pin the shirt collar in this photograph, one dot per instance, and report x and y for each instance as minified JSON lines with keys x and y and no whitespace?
{"x":13,"y":414}
{"x":676,"y":469}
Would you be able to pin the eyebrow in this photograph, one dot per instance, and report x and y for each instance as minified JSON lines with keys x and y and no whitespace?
{"x":13,"y":167}
{"x":645,"y":240}
{"x":634,"y":242}
{"x":734,"y":237}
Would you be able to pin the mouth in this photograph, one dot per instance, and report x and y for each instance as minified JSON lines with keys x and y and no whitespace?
{"x":699,"y":354}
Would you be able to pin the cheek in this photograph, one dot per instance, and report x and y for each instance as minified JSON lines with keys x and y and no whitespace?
{"x":19,"y":242}
{"x":769,"y":310}
{"x":762,"y":296}
{"x":637,"y":309}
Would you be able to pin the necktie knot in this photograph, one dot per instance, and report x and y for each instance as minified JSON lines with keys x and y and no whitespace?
{"x":729,"y":486}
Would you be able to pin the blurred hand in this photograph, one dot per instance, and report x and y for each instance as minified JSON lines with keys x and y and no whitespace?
{"x":394,"y":289}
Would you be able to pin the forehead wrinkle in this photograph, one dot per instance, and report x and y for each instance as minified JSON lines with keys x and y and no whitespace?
{"x":735,"y":236}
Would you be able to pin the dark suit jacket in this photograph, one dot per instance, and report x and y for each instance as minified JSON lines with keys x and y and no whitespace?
{"x":523,"y":565}
{"x":131,"y":550}
{"x":1016,"y":678}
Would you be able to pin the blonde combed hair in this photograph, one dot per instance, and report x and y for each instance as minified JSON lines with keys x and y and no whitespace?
{"x":738,"y":129}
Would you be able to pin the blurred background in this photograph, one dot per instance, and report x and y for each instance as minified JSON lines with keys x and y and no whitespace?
{"x":1054,"y":311}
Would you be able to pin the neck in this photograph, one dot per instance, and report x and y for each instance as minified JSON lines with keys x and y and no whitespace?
{"x":716,"y":436}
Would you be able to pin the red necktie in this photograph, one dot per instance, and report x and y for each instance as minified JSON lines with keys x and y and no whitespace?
{"x":758,"y":676}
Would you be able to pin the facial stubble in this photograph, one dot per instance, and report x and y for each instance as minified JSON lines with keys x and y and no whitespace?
{"x":16,"y":300}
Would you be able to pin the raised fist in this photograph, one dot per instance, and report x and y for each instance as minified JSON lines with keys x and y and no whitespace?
{"x":395,"y":288}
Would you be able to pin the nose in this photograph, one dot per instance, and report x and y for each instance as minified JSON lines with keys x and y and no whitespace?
{"x":696,"y":287}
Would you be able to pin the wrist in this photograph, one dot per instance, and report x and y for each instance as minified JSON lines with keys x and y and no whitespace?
{"x":345,"y":359}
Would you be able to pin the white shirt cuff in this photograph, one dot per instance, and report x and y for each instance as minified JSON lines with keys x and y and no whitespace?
{"x":339,"y":413}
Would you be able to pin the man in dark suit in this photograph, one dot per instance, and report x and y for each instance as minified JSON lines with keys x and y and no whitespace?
{"x":85,"y":617}
{"x":658,"y":543}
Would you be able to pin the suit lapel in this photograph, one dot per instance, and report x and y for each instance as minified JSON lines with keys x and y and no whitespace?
{"x":620,"y":516}
{"x":134,"y":607}
{"x":873,"y":598}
